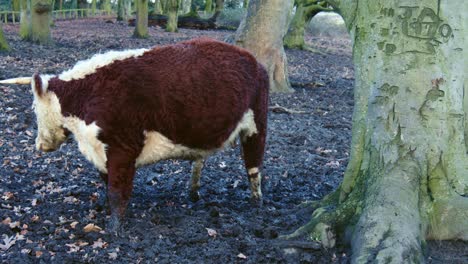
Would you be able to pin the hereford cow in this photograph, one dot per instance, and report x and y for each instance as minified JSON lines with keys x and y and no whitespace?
{"x":135,"y":107}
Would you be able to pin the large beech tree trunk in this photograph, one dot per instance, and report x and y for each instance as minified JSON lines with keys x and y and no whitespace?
{"x":141,"y":26}
{"x":305,"y":11}
{"x":41,"y":12}
{"x":262,"y":31}
{"x":407,"y":178}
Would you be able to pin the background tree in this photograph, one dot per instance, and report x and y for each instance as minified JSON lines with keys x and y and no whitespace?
{"x":15,"y":5}
{"x":407,"y":178}
{"x":157,"y":9}
{"x":124,"y":9}
{"x":305,"y":11}
{"x":208,"y":6}
{"x":93,"y":7}
{"x":141,"y":26}
{"x":3,"y":43}
{"x":262,"y":31}
{"x":25,"y":20}
{"x":172,"y":10}
{"x":41,"y":12}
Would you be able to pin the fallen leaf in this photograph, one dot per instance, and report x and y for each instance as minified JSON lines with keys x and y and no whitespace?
{"x":38,"y":254}
{"x":8,"y":242}
{"x":242,"y":256}
{"x":92,"y":228}
{"x":6,"y":221}
{"x":99,"y":244}
{"x":35,"y":218}
{"x":113,"y":255}
{"x":211,"y":232}
{"x":73,"y":225}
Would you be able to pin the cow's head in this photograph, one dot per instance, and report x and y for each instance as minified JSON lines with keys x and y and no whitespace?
{"x":50,"y":131}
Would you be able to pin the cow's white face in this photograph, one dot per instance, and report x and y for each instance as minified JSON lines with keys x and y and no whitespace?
{"x":50,"y":131}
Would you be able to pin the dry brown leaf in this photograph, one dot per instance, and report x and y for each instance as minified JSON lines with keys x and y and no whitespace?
{"x":6,"y":221}
{"x":92,"y":228}
{"x":99,"y":244}
{"x":73,"y":225}
{"x":38,"y":254}
{"x":242,"y":256}
{"x":73,"y":248}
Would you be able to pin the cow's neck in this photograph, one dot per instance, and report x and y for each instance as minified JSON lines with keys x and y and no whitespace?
{"x":72,"y":95}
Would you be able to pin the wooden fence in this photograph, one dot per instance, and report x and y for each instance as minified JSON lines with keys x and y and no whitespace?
{"x":14,"y":17}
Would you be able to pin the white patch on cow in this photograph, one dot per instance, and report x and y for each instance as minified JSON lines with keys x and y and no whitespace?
{"x":253,"y":171}
{"x":83,"y":68}
{"x":158,"y":147}
{"x":49,"y":117}
{"x":87,"y":137}
{"x":246,"y":127}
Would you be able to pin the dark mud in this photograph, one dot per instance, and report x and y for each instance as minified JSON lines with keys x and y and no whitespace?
{"x":48,"y":198}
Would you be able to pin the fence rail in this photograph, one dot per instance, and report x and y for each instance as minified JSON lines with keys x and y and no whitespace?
{"x":14,"y":16}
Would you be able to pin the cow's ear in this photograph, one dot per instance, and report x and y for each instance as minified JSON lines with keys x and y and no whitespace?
{"x":37,"y":84}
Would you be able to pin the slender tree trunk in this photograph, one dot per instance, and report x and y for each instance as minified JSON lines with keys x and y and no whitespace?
{"x":16,"y":5}
{"x":209,"y":6}
{"x":107,"y":7}
{"x":141,"y":27}
{"x":172,"y":8}
{"x":60,"y":4}
{"x":120,"y":10}
{"x":245,"y":3}
{"x":305,"y":11}
{"x":25,"y":17}
{"x":262,"y":31}
{"x":157,"y":7}
{"x":407,"y":178}
{"x":3,"y":43}
{"x":219,"y":6}
{"x":193,"y":9}
{"x":93,"y":7}
{"x":40,"y":21}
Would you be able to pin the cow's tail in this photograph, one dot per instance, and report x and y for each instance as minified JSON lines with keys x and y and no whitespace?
{"x":253,"y":146}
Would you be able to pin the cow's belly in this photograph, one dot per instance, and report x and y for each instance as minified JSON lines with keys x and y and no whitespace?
{"x":158,"y":147}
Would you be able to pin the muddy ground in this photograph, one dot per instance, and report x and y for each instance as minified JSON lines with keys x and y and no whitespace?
{"x":48,"y":198}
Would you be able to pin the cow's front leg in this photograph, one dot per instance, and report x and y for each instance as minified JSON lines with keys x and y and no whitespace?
{"x":121,"y":170}
{"x":197,"y":167}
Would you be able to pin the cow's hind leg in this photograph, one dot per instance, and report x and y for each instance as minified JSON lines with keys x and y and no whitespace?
{"x":253,"y":147}
{"x":121,"y":170}
{"x":197,"y":167}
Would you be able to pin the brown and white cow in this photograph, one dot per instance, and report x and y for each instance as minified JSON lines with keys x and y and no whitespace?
{"x":135,"y":107}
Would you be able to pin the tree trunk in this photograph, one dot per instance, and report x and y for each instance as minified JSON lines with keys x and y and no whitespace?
{"x":124,"y":11}
{"x":15,"y":5}
{"x":262,"y":31}
{"x":245,"y":3}
{"x":25,"y":20}
{"x":407,"y":178}
{"x":93,"y":7}
{"x":40,"y":21}
{"x":172,"y":8}
{"x":305,"y":11}
{"x":141,"y":27}
{"x":219,"y":6}
{"x":193,"y":9}
{"x":107,"y":7}
{"x":209,"y":6}
{"x":157,"y":10}
{"x":3,"y":42}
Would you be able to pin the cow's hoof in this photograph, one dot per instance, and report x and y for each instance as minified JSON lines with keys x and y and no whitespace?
{"x":194,"y":196}
{"x":114,"y":227}
{"x":256,"y":202}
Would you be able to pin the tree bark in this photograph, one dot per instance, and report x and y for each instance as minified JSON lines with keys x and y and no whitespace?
{"x":25,"y":20}
{"x":305,"y":11}
{"x":40,"y":21}
{"x":3,"y":43}
{"x":209,"y":6}
{"x":124,"y":11}
{"x":262,"y":31}
{"x":15,"y":5}
{"x":172,"y":8}
{"x":141,"y":27}
{"x":157,"y":10}
{"x":407,"y":178}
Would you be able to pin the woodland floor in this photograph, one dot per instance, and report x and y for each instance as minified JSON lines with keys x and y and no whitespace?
{"x":48,"y":198}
